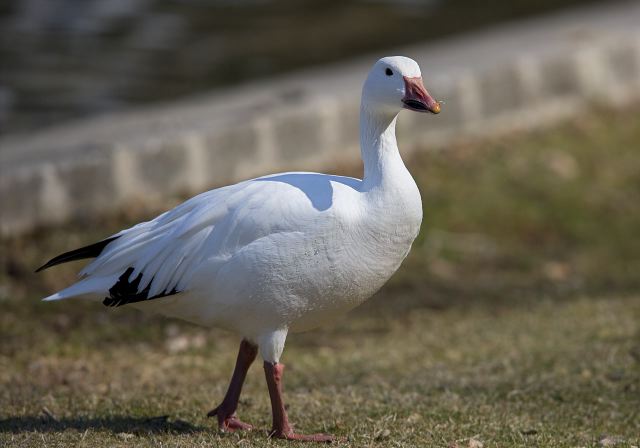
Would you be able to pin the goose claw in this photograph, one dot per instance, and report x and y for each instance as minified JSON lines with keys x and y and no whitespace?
{"x":229,"y":422}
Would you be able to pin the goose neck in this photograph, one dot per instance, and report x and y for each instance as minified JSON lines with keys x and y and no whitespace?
{"x":379,"y":148}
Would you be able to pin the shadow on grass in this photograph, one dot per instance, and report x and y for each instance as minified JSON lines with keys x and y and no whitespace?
{"x":116,"y":424}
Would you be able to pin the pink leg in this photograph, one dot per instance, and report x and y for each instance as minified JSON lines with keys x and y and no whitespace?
{"x":281,"y":428}
{"x":226,"y":411}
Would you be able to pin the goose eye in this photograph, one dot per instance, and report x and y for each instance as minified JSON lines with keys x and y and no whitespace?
{"x":389,"y":72}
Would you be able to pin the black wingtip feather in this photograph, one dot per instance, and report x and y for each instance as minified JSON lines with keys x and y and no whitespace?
{"x":125,"y":291}
{"x":90,"y":251}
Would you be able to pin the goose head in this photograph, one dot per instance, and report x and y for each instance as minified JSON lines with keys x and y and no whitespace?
{"x":395,"y":83}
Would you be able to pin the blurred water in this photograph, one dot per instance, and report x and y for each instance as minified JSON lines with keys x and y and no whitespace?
{"x":61,"y":59}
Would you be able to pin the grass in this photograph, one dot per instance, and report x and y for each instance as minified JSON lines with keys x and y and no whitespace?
{"x":514,"y":322}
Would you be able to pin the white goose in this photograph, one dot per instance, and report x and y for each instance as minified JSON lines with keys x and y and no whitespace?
{"x":279,"y":253}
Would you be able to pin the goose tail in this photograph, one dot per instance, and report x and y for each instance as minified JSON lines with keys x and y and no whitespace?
{"x":92,"y":288}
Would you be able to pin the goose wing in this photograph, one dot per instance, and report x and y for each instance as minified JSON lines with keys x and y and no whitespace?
{"x":159,"y":257}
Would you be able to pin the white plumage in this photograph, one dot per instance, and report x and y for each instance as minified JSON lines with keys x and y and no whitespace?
{"x":277,"y":253}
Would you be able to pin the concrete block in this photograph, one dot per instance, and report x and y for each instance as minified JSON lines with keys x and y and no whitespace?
{"x":298,"y":135}
{"x":348,"y":123}
{"x":559,"y":75}
{"x":501,"y":90}
{"x":89,"y":184}
{"x":230,"y":150}
{"x":531,"y":80}
{"x":161,"y":168}
{"x":19,"y":194}
{"x":624,"y":63}
{"x":593,"y":74}
{"x":470,"y":98}
{"x":452,"y":110}
{"x":54,"y":204}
